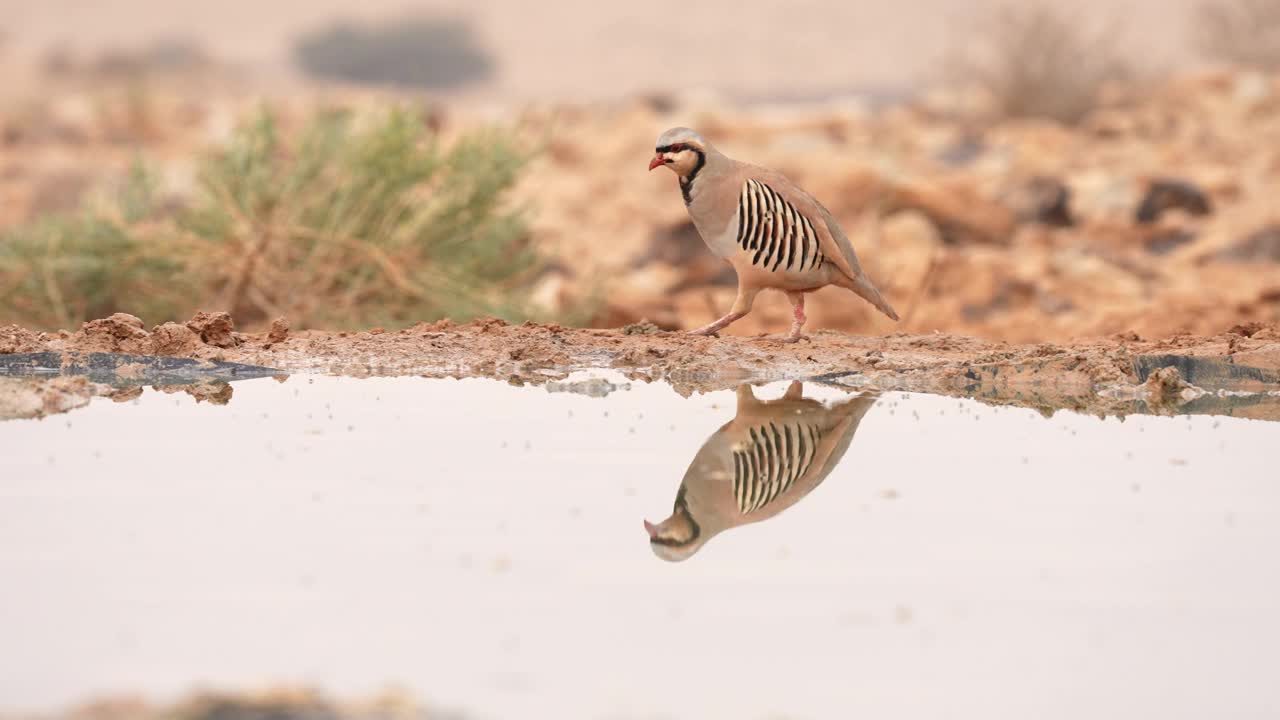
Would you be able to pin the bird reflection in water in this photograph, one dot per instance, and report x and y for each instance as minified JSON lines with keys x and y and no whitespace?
{"x":763,"y":461}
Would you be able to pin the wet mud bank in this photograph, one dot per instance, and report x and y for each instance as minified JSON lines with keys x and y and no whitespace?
{"x":1236,"y":372}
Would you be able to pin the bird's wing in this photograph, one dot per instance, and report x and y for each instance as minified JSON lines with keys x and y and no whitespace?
{"x":832,"y":241}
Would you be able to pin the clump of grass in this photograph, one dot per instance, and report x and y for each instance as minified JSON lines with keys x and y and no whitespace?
{"x":1245,"y":32}
{"x":1038,"y":60}
{"x":67,"y":268}
{"x":356,"y":221}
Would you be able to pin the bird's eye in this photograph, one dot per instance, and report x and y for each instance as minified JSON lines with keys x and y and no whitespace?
{"x":677,"y":148}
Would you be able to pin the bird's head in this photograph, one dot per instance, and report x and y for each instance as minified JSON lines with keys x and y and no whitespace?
{"x":679,"y":536}
{"x":681,"y":149}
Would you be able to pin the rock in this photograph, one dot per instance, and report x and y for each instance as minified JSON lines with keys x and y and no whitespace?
{"x":1045,"y":200}
{"x":962,"y":151}
{"x":916,"y":242}
{"x":551,"y":292}
{"x":1010,"y":293}
{"x":126,"y":394}
{"x":120,"y":332}
{"x":591,"y":387}
{"x":28,"y":398}
{"x":1099,"y":193}
{"x":673,"y":244}
{"x":1168,"y":194}
{"x":1165,"y":242}
{"x":644,"y":327}
{"x":215,"y":393}
{"x":485,"y":324}
{"x":120,"y":324}
{"x":173,"y":339}
{"x":279,"y":331}
{"x":1247,"y":329}
{"x":214,"y":328}
{"x":680,"y":246}
{"x":1259,"y":246}
{"x":959,"y":212}
{"x":1165,"y":385}
{"x":431,"y":327}
{"x":212,"y":391}
{"x":14,"y":339}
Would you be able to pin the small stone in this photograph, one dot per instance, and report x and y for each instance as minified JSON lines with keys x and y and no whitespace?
{"x":279,"y":331}
{"x":1259,"y":246}
{"x":1044,"y":200}
{"x":644,"y":327}
{"x":173,"y":339}
{"x":118,"y":333}
{"x":1248,"y":329}
{"x":1168,"y":194}
{"x":1165,"y":385}
{"x":214,"y":328}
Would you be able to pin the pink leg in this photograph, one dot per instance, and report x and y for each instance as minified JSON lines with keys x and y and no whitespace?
{"x":797,"y":306}
{"x":741,"y":306}
{"x":718,"y":325}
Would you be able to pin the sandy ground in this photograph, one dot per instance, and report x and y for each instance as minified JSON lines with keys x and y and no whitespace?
{"x":1115,"y":375}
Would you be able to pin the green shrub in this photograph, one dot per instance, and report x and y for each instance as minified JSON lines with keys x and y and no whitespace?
{"x":357,"y":221}
{"x":64,"y":269}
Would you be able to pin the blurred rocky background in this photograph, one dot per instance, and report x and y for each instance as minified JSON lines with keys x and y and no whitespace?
{"x":1016,"y":171}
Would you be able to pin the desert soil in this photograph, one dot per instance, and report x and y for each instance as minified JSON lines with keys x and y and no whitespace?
{"x":1102,"y":375}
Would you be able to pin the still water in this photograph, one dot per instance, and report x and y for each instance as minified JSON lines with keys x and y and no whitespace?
{"x":785,"y":551}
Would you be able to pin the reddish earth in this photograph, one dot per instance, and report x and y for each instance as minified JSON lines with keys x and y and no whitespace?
{"x":1101,"y":375}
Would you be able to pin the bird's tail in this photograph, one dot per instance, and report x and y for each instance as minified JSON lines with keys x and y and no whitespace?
{"x":870,"y":225}
{"x":861,"y":286}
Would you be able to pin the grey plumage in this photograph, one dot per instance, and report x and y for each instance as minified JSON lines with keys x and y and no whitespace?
{"x":769,"y":457}
{"x":774,"y":234}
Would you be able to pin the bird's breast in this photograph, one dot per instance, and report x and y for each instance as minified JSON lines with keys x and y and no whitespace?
{"x":720,"y":237}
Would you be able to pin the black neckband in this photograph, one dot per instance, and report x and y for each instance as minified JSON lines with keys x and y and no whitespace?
{"x":686,"y":183}
{"x":695,"y":529}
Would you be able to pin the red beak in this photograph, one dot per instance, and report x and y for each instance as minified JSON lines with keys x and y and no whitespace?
{"x":657,"y":161}
{"x":648,"y":526}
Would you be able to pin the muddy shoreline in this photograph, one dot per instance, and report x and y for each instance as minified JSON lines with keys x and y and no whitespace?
{"x":1106,"y":375}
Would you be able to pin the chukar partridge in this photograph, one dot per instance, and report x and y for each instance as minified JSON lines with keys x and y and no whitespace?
{"x":762,"y":462}
{"x":774,"y":234}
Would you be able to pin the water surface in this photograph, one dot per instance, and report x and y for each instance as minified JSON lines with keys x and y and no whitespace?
{"x":485,"y":546}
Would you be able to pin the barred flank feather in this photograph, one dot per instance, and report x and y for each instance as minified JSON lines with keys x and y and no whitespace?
{"x":777,"y":235}
{"x":772,"y":462}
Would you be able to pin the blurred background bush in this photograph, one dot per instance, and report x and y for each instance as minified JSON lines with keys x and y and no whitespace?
{"x":412,"y":52}
{"x":352,"y":222}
